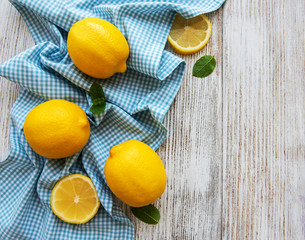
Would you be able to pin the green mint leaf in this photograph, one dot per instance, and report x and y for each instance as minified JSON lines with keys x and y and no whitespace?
{"x":97,"y":109}
{"x":148,"y":214}
{"x":98,"y":99}
{"x":96,"y":91}
{"x":204,"y":66}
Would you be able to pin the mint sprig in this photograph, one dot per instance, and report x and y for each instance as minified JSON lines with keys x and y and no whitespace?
{"x":98,"y":99}
{"x":148,"y":214}
{"x":204,"y":66}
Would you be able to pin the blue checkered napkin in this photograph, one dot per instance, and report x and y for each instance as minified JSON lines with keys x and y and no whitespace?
{"x":136,"y":104}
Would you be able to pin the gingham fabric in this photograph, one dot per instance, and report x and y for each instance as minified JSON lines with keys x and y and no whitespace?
{"x":136,"y":104}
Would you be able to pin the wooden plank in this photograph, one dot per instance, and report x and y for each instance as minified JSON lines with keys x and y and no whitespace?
{"x":14,"y":38}
{"x":263,"y":127}
{"x":191,"y":205}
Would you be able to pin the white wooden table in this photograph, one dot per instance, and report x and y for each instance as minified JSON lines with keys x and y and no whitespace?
{"x":235,"y":151}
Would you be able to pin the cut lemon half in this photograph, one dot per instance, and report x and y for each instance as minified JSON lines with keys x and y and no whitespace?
{"x":74,"y":199}
{"x":188,"y":36}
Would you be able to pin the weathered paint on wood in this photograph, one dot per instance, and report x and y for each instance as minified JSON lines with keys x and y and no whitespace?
{"x":191,"y":205}
{"x":263,"y":120}
{"x":14,"y":38}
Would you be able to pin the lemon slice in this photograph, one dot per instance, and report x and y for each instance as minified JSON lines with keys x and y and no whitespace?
{"x":188,"y":36}
{"x":74,"y":199}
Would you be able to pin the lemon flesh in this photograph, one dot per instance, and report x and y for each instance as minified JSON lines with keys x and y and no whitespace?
{"x":135,"y":173}
{"x":189,"y":36}
{"x":74,"y":199}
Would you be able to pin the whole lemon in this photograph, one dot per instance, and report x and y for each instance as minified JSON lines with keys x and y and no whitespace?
{"x":57,"y":129}
{"x":97,"y":47}
{"x":135,"y":173}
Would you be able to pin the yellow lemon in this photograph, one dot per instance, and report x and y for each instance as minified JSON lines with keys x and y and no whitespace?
{"x":57,"y":129}
{"x":188,"y":36}
{"x":74,"y":199}
{"x":135,"y":173}
{"x":97,"y":47}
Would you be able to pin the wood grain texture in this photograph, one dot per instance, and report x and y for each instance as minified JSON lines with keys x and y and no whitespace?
{"x":235,"y":151}
{"x":14,"y":38}
{"x":192,"y":153}
{"x":263,"y":127}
